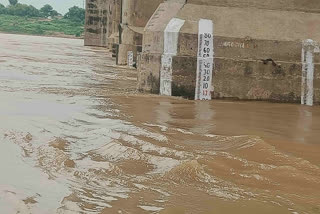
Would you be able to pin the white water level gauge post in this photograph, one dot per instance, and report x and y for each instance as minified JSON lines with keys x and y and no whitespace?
{"x":130,"y":58}
{"x":204,"y":60}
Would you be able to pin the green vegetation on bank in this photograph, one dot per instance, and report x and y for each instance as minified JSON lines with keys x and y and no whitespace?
{"x":26,"y":19}
{"x":38,"y":26}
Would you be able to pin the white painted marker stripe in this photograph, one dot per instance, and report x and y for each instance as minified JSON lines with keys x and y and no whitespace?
{"x":309,"y":47}
{"x":205,"y":60}
{"x":205,"y":37}
{"x":205,"y":26}
{"x":304,"y":77}
{"x":310,"y":77}
{"x":171,"y":38}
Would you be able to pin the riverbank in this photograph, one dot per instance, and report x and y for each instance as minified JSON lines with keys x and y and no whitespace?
{"x":41,"y":27}
{"x":56,"y":35}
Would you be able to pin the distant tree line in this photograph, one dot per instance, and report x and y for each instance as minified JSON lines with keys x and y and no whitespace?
{"x":14,"y":8}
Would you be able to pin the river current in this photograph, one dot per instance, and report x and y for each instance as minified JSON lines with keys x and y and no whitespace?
{"x":76,"y":137}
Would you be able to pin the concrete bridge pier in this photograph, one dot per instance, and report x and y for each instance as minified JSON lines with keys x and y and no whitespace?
{"x":257,"y":50}
{"x":96,"y":23}
{"x":257,"y":46}
{"x":101,"y":23}
{"x":134,"y":17}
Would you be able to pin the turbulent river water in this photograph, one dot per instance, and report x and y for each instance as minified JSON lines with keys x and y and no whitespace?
{"x":76,"y":137}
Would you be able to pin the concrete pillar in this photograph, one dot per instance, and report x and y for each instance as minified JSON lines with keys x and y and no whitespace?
{"x":96,"y":23}
{"x":127,"y":10}
{"x":114,"y":17}
{"x":135,"y":15}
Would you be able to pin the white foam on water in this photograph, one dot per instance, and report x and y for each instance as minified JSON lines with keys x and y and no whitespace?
{"x":163,"y":165}
{"x":151,"y":208}
{"x":149,"y":147}
{"x":116,"y":152}
{"x":161,"y":192}
{"x":87,"y":163}
{"x":226,"y":194}
{"x":185,"y":132}
{"x":257,"y":177}
{"x":160,"y":201}
{"x":133,"y":130}
{"x":162,"y":128}
{"x":140,"y":186}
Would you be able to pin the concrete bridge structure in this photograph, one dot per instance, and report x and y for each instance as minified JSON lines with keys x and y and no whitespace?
{"x":118,"y":24}
{"x":258,"y":50}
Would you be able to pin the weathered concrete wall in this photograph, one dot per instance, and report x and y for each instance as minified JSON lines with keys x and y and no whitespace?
{"x":96,"y":23}
{"x":257,"y":46}
{"x":258,"y":51}
{"x":102,"y":22}
{"x":255,"y":23}
{"x":149,"y":73}
{"x":118,"y":24}
{"x":297,"y":5}
{"x":153,"y":39}
{"x":114,"y":20}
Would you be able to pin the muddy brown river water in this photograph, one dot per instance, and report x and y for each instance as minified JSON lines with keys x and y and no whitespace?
{"x":76,"y":137}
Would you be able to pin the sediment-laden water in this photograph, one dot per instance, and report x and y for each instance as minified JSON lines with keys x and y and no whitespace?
{"x":76,"y":137}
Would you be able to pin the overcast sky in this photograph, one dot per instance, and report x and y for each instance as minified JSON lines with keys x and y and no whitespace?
{"x":61,"y":6}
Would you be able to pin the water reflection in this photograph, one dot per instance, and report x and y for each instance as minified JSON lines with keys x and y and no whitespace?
{"x":205,"y":115}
